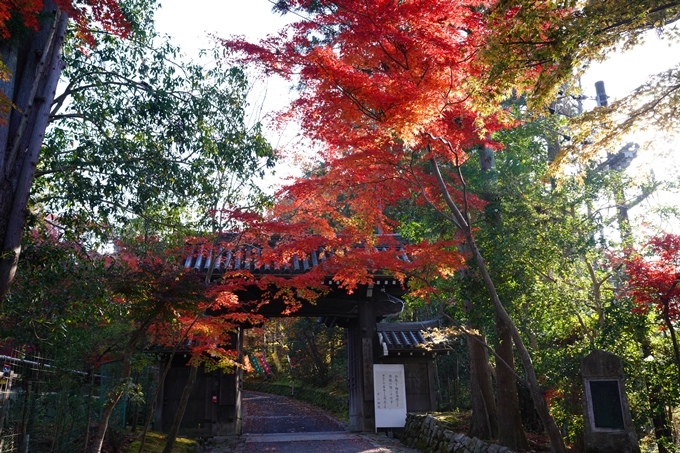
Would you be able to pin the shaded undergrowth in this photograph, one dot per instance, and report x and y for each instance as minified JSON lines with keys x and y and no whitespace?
{"x":330,"y":400}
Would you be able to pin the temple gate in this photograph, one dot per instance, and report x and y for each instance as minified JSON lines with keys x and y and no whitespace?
{"x":215,"y":405}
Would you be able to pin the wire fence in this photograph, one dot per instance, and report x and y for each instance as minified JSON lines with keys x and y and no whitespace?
{"x":49,"y":409}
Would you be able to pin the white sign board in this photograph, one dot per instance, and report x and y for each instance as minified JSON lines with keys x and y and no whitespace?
{"x":389,"y":389}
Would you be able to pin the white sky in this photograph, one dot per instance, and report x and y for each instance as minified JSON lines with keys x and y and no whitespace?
{"x":189,"y":23}
{"x":622,"y":72}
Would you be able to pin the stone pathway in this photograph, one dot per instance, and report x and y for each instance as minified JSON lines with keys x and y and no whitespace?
{"x":275,"y":424}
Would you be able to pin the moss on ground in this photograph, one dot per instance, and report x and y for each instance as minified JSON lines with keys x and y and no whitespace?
{"x":458,"y":422}
{"x":155,"y":442}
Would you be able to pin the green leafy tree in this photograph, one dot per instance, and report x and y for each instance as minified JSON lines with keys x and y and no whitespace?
{"x":551,"y":258}
{"x":140,"y":146}
{"x":142,"y":142}
{"x":134,"y":135}
{"x":60,"y":306}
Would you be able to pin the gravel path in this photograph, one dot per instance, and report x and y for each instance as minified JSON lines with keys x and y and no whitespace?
{"x":276,"y":424}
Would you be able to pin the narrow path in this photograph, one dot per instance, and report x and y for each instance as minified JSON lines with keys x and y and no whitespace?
{"x":264,"y":413}
{"x":276,"y":424}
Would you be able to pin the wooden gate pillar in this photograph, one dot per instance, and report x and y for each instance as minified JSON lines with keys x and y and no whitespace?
{"x":368,"y":342}
{"x":355,"y":378}
{"x":361,"y":341}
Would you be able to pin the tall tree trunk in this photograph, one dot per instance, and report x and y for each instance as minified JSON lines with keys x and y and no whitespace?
{"x":463,"y":224}
{"x":484,"y":415}
{"x":510,"y":430}
{"x":36,"y":66}
{"x":484,"y":412}
{"x":183,"y":402}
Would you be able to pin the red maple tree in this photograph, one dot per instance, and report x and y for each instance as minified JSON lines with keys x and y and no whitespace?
{"x":394,"y":93}
{"x":654,"y":282}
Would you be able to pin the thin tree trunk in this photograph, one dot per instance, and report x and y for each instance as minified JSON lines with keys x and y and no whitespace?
{"x":114,"y":397}
{"x":135,"y":414}
{"x":183,"y":402}
{"x":484,"y":412}
{"x":89,"y":411}
{"x":109,"y":406}
{"x":25,"y":415}
{"x":150,"y":410}
{"x":168,"y":365}
{"x":674,"y":341}
{"x":671,"y":330}
{"x":36,"y":68}
{"x":556,"y":441}
{"x":662,"y":429}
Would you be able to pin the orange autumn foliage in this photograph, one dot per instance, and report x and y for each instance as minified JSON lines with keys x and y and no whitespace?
{"x":385,"y":89}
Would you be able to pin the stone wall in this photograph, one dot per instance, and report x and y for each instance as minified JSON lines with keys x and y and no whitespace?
{"x":430,"y":435}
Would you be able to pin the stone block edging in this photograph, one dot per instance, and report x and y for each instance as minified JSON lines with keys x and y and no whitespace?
{"x":430,"y":435}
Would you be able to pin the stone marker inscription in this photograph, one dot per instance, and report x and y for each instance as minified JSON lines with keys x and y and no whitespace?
{"x":607,"y":423}
{"x":606,"y":401}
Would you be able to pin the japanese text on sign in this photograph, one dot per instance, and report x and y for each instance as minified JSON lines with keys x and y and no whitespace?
{"x":388,"y":390}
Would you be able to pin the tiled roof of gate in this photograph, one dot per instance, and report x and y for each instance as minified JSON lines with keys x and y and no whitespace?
{"x":247,"y":257}
{"x":411,"y":337}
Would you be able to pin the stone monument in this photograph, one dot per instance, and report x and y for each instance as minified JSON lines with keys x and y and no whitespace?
{"x":607,"y":424}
